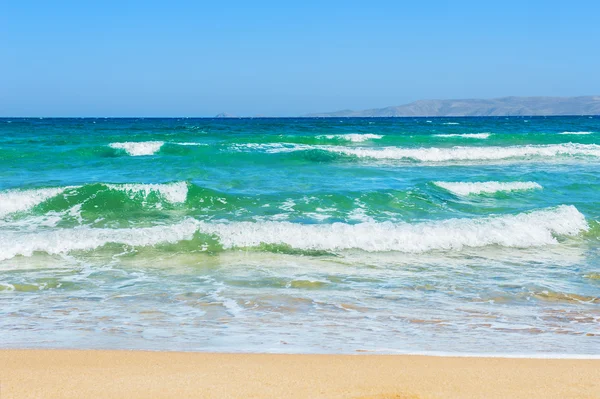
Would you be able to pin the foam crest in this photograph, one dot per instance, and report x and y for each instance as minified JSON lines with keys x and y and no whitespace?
{"x":353,"y":137}
{"x":520,"y":231}
{"x":434,"y":154}
{"x":576,"y":133}
{"x":60,"y":241}
{"x":171,"y":192}
{"x":437,"y":154}
{"x":138,"y":148}
{"x":272,"y":148}
{"x":488,"y":187}
{"x":466,"y":135}
{"x":12,"y":201}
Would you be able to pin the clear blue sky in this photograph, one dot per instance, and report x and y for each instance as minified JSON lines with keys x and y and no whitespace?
{"x":199,"y":58}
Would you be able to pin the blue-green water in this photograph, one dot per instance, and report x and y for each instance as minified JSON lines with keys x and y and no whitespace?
{"x":461,"y":235}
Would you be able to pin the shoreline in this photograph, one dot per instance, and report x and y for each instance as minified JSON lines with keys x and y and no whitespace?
{"x":60,"y":373}
{"x":358,"y":352}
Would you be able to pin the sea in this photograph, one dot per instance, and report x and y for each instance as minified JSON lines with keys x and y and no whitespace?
{"x":464,"y":236}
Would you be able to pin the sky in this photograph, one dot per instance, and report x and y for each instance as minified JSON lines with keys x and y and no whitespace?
{"x":287,"y":58}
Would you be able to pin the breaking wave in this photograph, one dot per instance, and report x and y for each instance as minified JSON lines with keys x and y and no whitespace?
{"x":170,"y":192}
{"x":466,"y":135}
{"x":12,"y":201}
{"x":434,"y":154}
{"x":523,"y":230}
{"x":536,"y":228}
{"x":60,"y":241}
{"x":437,"y":154}
{"x":141,"y":148}
{"x":273,"y":148}
{"x":488,"y":187}
{"x":353,"y":137}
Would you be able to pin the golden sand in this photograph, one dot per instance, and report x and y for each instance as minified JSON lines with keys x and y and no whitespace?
{"x":138,"y":374}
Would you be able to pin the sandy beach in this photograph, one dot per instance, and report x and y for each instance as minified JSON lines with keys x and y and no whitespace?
{"x":138,"y":374}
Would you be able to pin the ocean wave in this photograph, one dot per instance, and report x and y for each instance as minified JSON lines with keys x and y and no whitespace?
{"x":576,"y":133}
{"x":520,"y":231}
{"x":434,"y":154}
{"x":466,"y":135}
{"x":353,"y":137}
{"x":141,"y":148}
{"x":536,"y":228}
{"x":489,"y":187}
{"x":16,"y":200}
{"x":437,"y":154}
{"x":450,"y":123}
{"x":170,"y":192}
{"x":61,"y":241}
{"x":192,"y":144}
{"x":272,"y":148}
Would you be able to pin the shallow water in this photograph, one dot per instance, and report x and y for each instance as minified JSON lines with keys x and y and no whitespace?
{"x":425,"y":235}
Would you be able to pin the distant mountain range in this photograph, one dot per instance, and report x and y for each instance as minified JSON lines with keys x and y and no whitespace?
{"x":505,"y":106}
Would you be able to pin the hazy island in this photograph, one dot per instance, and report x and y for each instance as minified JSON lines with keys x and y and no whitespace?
{"x":504,"y":106}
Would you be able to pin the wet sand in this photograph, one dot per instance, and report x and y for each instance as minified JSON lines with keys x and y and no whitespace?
{"x":139,"y":374}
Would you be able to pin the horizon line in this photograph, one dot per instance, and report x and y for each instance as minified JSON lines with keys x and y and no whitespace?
{"x":297,"y":117}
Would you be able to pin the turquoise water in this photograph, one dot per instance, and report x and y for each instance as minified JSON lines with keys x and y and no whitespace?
{"x":394,"y":235}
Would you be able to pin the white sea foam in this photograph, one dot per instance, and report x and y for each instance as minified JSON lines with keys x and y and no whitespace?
{"x":521,"y":231}
{"x":466,"y":135}
{"x":138,"y":148}
{"x":60,"y":241}
{"x":439,"y":154}
{"x":435,"y":154}
{"x":467,"y":188}
{"x":12,"y":201}
{"x":192,"y":144}
{"x":576,"y":133}
{"x":170,"y":192}
{"x":353,"y":137}
{"x":288,"y":205}
{"x":451,"y":123}
{"x":272,"y":148}
{"x":359,"y":214}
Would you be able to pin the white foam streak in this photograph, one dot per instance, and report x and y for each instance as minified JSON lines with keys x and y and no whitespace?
{"x":272,"y":148}
{"x":466,"y":135}
{"x":435,"y":154}
{"x":489,"y":187}
{"x":12,"y":201}
{"x":62,"y":241}
{"x":576,"y":133}
{"x":519,"y":231}
{"x":138,"y":148}
{"x":192,"y":144}
{"x":171,"y":192}
{"x":438,"y":154}
{"x":353,"y":137}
